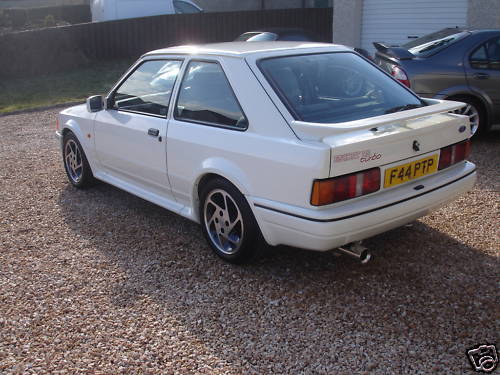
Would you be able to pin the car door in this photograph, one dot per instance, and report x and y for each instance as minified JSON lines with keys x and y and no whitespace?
{"x":483,"y":72}
{"x":207,"y":123}
{"x":130,"y":136}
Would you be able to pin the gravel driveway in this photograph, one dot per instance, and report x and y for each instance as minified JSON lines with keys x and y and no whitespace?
{"x":102,"y":282}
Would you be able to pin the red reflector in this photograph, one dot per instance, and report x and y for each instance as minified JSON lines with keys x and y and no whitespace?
{"x":344,"y":188}
{"x":445,"y":157}
{"x":468,"y":149}
{"x":371,"y":181}
{"x":453,"y":154}
{"x":462,"y":150}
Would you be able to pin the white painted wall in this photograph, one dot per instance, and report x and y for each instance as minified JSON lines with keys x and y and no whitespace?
{"x":394,"y":21}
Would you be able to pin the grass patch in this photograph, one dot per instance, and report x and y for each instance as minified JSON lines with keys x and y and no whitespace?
{"x":40,"y":91}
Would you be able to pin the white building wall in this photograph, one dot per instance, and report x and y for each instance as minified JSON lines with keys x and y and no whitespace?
{"x":395,"y":22}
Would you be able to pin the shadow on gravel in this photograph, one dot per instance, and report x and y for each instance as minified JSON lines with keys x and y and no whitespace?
{"x":491,"y":136}
{"x":424,"y":293}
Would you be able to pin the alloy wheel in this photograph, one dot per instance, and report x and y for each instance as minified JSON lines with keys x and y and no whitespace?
{"x":473,"y":114}
{"x":223,"y":221}
{"x":73,"y":160}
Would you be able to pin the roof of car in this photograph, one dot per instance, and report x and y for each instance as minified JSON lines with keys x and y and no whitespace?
{"x":241,"y":49}
{"x":492,"y":31}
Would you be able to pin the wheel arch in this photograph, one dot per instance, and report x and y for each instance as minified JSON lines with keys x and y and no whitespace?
{"x":222,"y":169}
{"x":71,"y":125}
{"x":65,"y":131}
{"x":249,"y":233}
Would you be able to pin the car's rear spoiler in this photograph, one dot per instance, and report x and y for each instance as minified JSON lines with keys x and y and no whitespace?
{"x":318,"y":131}
{"x":397,"y":52}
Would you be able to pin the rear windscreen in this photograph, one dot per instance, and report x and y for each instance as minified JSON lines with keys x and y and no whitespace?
{"x":335,"y":87}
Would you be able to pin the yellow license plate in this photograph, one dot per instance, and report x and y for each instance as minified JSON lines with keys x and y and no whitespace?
{"x":410,"y":171}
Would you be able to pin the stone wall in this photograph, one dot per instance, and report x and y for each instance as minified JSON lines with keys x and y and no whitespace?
{"x":484,"y":14}
{"x":347,"y":16}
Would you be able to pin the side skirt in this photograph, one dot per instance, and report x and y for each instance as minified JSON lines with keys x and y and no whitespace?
{"x":167,"y":203}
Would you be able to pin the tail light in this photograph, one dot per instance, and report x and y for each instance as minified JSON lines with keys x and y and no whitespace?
{"x":398,"y":73}
{"x":345,"y":187}
{"x":453,"y":154}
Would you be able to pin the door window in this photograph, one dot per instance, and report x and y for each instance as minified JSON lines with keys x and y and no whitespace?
{"x":183,"y":7}
{"x":148,"y":89}
{"x":487,"y":55}
{"x":206,"y":97}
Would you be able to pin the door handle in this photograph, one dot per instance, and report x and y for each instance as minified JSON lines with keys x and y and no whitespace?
{"x":481,"y":75}
{"x":153,"y":132}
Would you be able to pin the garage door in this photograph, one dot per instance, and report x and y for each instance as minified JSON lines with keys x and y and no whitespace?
{"x":395,"y":22}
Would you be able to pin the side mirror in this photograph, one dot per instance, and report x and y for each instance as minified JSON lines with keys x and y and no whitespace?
{"x":95,"y":103}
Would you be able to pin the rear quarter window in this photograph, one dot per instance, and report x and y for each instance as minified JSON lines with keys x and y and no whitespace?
{"x":206,"y":97}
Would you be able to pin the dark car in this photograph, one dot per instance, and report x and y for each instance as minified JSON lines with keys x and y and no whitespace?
{"x":273,"y":34}
{"x":455,"y":64}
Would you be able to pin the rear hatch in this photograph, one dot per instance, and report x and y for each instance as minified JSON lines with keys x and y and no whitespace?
{"x":391,"y":139}
{"x":367,"y":119}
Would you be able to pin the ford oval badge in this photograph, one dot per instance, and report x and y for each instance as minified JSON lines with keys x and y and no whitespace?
{"x":416,"y":146}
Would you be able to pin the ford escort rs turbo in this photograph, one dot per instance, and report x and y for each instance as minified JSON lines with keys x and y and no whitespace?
{"x":301,"y":144}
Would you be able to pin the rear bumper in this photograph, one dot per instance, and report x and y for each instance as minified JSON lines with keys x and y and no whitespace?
{"x":325,"y":229}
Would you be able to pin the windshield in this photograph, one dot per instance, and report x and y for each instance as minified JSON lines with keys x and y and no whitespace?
{"x":427,"y":47}
{"x":335,"y":87}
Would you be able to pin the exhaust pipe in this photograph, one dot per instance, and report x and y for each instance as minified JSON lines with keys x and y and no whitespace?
{"x":356,"y":250}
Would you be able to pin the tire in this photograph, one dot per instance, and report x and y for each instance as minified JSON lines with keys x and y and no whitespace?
{"x":475,"y":111}
{"x":75,"y":162}
{"x":227,"y":222}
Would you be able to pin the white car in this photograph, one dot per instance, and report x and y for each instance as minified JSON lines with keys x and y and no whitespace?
{"x":108,"y":10}
{"x":309,"y":145}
